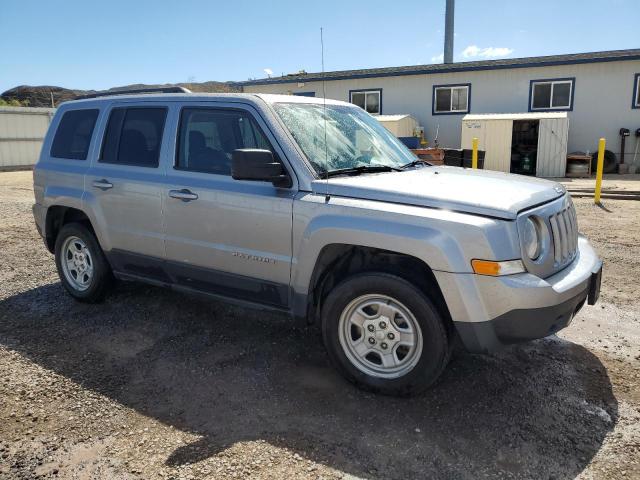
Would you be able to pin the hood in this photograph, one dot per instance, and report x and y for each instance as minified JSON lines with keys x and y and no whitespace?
{"x":480,"y":192}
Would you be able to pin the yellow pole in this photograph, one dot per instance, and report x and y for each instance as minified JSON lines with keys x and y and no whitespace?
{"x":600,"y":167}
{"x":474,"y":154}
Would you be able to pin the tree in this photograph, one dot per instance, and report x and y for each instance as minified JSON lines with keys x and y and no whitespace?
{"x":12,"y":102}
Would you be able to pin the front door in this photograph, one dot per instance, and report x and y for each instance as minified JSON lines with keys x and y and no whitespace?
{"x":224,"y":236}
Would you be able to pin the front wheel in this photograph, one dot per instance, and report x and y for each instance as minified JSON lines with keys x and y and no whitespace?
{"x":384,"y":334}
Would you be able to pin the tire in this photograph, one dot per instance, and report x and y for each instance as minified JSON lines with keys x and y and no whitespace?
{"x":363,"y":298}
{"x":93,"y":278}
{"x":609,"y":164}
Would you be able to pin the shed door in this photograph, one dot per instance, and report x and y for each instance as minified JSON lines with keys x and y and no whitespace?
{"x":470,"y":129}
{"x":553,"y":135}
{"x":494,"y":137}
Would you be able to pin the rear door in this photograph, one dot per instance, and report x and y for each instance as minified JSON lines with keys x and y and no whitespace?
{"x":124,"y":188}
{"x":225,"y":236}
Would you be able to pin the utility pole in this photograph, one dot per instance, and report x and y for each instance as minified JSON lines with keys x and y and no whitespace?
{"x":448,"y":31}
{"x":53,"y":105}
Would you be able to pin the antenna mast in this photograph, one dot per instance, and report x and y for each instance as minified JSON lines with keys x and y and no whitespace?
{"x":327,"y":197}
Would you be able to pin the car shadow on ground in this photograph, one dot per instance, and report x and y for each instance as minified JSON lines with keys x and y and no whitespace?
{"x":229,"y":375}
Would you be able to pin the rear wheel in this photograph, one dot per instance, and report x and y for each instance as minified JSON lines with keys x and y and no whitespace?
{"x":384,"y":334}
{"x":82,"y":266}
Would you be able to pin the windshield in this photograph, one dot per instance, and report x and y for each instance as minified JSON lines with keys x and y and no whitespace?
{"x":354,"y":138}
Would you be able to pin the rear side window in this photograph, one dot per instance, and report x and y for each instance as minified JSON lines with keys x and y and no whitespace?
{"x":73,"y":135}
{"x":133,"y":136}
{"x":209,"y":136}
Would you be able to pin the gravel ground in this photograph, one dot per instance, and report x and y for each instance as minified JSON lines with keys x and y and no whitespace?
{"x":155,"y":384}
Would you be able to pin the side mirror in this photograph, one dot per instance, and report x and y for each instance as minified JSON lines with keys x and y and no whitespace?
{"x":258,"y":165}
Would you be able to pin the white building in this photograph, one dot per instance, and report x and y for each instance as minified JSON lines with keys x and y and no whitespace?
{"x":599,"y":91}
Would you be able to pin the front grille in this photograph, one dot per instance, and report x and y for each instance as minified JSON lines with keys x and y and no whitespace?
{"x":564,"y":230}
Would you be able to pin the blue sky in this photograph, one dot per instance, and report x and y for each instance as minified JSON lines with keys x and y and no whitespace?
{"x":84,"y":44}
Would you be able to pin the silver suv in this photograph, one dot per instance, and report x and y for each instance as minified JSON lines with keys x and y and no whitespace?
{"x":312,"y":209}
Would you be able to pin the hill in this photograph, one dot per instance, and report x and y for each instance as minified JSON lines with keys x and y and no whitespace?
{"x":46,"y":96}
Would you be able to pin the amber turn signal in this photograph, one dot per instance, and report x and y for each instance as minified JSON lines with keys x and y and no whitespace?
{"x":495,"y":269}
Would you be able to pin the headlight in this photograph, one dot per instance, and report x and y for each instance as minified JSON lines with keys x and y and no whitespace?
{"x":531,"y":238}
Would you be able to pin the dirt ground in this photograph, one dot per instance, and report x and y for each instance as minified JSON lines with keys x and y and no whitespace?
{"x":155,"y":384}
{"x":611,"y":182}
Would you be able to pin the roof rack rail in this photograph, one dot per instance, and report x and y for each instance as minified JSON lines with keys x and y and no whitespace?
{"x":134,"y":91}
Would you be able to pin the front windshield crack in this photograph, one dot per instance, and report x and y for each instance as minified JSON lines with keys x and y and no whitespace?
{"x":354,"y":139}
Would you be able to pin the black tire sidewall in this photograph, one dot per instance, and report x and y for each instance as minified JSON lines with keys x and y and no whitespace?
{"x":101,"y":271}
{"x":435,"y":347}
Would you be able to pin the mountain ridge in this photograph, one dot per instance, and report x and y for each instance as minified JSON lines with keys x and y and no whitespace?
{"x":45,"y":95}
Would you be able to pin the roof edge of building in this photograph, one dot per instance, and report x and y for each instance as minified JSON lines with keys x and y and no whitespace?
{"x":430,"y":69}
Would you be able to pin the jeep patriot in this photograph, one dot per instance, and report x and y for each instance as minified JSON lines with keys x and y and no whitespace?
{"x":314,"y":209}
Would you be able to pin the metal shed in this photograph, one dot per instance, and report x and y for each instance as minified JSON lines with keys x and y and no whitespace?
{"x":22,"y":130}
{"x":399,"y":125}
{"x":501,"y":136}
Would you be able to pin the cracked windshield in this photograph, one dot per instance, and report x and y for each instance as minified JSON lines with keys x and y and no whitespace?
{"x":354,"y":138}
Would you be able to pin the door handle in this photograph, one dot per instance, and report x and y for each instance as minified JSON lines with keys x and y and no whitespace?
{"x":103,"y":184}
{"x":185,"y":195}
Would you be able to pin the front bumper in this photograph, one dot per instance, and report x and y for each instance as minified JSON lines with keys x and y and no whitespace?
{"x":490,"y":312}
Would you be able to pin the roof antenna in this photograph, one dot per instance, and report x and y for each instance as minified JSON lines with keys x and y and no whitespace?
{"x":327,"y":197}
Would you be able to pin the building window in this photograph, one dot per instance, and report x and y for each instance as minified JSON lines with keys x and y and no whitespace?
{"x":368,"y":100}
{"x":636,"y":91}
{"x":451,"y":99}
{"x":553,"y":94}
{"x":305,"y":94}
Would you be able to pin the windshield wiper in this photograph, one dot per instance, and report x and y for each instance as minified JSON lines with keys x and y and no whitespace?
{"x":362,"y":169}
{"x":416,"y":162}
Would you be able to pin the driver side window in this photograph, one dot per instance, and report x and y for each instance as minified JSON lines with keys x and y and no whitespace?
{"x":208,"y":137}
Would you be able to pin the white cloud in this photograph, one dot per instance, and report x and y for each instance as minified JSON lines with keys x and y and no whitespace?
{"x":268,"y":71}
{"x":473,"y":51}
{"x":438,"y":58}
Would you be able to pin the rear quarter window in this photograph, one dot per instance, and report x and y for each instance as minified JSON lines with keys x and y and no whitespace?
{"x":73,"y":136}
